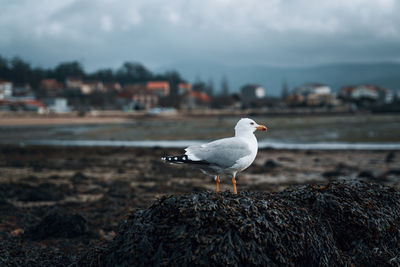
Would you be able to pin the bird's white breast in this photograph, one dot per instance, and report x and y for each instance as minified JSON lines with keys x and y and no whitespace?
{"x":244,"y":162}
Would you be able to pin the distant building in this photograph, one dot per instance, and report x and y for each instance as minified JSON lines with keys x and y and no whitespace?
{"x":86,"y":88}
{"x":50,"y":87}
{"x":160,"y":88}
{"x":91,"y":87}
{"x":72,"y":82}
{"x":367,"y":93}
{"x":33,"y":105}
{"x":195,"y":99}
{"x":311,"y":94}
{"x":57,"y":104}
{"x":251,"y":95}
{"x":5,"y":89}
{"x":111,"y":87}
{"x":138,"y":97}
{"x":184,"y":88}
{"x":23,"y":91}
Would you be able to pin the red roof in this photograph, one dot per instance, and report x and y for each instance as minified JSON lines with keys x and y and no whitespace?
{"x":36,"y":103}
{"x":187,"y":86}
{"x":50,"y":84}
{"x":157,"y":85}
{"x":201,"y":96}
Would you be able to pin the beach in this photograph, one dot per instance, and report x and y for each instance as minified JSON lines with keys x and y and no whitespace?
{"x":104,"y":184}
{"x":85,"y":175}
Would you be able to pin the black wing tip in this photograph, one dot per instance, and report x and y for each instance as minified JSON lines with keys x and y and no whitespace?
{"x":176,"y":159}
{"x":183,"y":159}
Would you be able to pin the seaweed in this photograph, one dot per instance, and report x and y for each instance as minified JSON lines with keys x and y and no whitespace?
{"x":343,"y":223}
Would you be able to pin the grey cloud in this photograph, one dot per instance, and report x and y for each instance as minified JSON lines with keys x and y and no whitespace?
{"x":276,"y":32}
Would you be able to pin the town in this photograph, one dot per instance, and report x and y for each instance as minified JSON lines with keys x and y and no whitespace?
{"x":133,"y":88}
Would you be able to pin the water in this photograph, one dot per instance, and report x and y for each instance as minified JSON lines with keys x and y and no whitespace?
{"x":186,"y":143}
{"x":300,"y":132}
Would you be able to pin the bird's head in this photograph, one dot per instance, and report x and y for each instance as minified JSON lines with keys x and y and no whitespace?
{"x":248,"y":125}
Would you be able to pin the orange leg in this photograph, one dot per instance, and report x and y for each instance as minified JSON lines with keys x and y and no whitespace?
{"x":217,"y":183}
{"x":234,"y":185}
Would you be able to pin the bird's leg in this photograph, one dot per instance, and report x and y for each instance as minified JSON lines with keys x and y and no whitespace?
{"x":217,"y":182}
{"x":234,"y":185}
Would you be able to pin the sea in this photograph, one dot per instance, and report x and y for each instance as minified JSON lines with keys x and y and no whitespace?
{"x":339,"y":132}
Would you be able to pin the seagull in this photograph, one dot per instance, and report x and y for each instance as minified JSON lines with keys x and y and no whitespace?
{"x":224,"y":156}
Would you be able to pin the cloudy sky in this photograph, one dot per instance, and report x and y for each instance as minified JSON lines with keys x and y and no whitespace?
{"x":160,"y":33}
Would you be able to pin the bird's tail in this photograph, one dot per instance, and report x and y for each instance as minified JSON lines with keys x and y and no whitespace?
{"x":183,"y":159}
{"x":177,"y":159}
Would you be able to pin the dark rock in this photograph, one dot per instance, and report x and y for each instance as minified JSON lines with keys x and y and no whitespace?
{"x":390,"y":157}
{"x":271,"y":164}
{"x":59,"y":225}
{"x":287,"y":159}
{"x":340,"y":224}
{"x":341,"y":166}
{"x":27,"y":192}
{"x":79,"y":176}
{"x":393,"y":172}
{"x":268,"y":166}
{"x":367,"y":174}
{"x":332,"y":174}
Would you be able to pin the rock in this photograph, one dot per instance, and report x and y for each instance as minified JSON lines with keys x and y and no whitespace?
{"x":390,"y":157}
{"x":59,"y":224}
{"x":393,"y":172}
{"x":271,"y":164}
{"x":268,"y":166}
{"x":332,"y":174}
{"x":367,"y":174}
{"x":41,"y":192}
{"x":339,"y":224}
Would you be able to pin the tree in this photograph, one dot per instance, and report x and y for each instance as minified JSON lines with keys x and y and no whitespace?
{"x":210,"y":88}
{"x":199,"y":86}
{"x":224,"y":86}
{"x":104,"y":75}
{"x":68,"y":69}
{"x":285,"y":91}
{"x":131,"y":72}
{"x":5,"y":71}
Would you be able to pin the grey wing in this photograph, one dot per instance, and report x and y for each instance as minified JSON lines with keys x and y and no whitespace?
{"x":224,"y":152}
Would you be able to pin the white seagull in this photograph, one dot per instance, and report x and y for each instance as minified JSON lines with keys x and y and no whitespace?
{"x":224,"y":156}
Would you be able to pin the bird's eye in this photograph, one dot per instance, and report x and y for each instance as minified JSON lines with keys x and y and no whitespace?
{"x":251,"y":123}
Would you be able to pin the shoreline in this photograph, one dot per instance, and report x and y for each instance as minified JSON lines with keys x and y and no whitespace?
{"x":115,"y":117}
{"x":180,"y":144}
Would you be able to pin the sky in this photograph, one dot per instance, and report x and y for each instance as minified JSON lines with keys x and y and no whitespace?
{"x":159,"y":33}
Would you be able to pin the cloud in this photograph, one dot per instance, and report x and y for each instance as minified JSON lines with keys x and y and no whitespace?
{"x":106,"y":23}
{"x":270,"y":32}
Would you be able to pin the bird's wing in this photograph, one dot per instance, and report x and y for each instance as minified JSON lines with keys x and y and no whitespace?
{"x":223,"y":152}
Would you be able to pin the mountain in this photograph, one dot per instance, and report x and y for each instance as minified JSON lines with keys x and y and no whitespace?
{"x":386,"y":74}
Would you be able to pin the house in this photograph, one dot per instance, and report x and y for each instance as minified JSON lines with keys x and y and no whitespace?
{"x":137,"y":96}
{"x":33,"y":105}
{"x":369,"y":93}
{"x":311,"y":94}
{"x":57,"y":104}
{"x":86,"y":88}
{"x":73,"y":82}
{"x":50,"y":87}
{"x":90,"y":87}
{"x":195,"y":99}
{"x":160,"y":88}
{"x":184,"y":88}
{"x":251,"y":95}
{"x":23,"y":91}
{"x":5,"y":89}
{"x":111,"y":87}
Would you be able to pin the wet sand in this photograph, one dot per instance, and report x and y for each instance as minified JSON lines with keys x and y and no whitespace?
{"x":102,"y":185}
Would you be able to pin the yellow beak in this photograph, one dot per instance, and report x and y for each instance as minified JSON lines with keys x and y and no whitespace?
{"x":261,"y":128}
